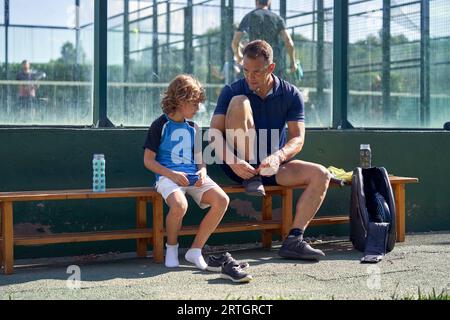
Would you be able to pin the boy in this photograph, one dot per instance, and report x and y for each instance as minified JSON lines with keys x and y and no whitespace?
{"x":173,"y":152}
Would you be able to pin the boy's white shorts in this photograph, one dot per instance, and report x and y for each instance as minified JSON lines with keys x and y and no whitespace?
{"x":165,"y":187}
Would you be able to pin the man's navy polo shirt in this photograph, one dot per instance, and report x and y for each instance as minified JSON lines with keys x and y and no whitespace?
{"x":284,"y":104}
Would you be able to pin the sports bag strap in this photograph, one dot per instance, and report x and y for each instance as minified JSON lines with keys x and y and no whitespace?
{"x":376,"y":242}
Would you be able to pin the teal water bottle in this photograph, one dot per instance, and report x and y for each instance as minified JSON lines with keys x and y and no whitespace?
{"x":98,"y":173}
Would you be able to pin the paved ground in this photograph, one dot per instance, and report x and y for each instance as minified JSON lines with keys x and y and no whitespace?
{"x":421,"y":263}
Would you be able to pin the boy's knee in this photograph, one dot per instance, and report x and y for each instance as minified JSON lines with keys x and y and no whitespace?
{"x":225,"y":201}
{"x":222,"y":201}
{"x":179,"y":206}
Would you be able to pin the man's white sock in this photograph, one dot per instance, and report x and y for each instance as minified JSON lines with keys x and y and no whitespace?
{"x":172,"y":256}
{"x":194,"y":255}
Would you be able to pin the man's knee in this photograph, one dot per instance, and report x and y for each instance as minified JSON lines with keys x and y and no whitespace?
{"x":239,"y":113}
{"x":322,"y":177}
{"x":239,"y":100}
{"x":239,"y":105}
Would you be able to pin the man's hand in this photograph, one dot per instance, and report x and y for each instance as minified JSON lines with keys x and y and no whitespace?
{"x":243,"y":169}
{"x":201,"y":177}
{"x":179,"y":178}
{"x":294,"y":67}
{"x":270,"y":165}
{"x":239,"y":59}
{"x":297,"y":70}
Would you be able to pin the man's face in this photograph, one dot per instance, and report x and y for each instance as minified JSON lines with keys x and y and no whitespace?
{"x":26,"y":67}
{"x":257,"y":72}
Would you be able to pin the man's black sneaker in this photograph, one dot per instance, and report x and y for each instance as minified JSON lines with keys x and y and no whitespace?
{"x":254,"y":186}
{"x":215,"y":262}
{"x":297,"y":248}
{"x":232,"y":271}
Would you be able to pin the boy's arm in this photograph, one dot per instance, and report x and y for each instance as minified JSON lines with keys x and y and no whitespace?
{"x":198,"y":157}
{"x":201,"y":174}
{"x":151,"y":164}
{"x":198,"y":148}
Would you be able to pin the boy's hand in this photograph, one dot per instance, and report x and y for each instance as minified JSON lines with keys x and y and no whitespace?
{"x":201,"y":177}
{"x":179,"y":178}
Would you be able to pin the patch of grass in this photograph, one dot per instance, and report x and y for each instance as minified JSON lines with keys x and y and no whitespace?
{"x":443,"y":295}
{"x":229,"y":297}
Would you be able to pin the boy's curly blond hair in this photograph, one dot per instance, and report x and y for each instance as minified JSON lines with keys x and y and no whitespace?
{"x":184,"y":88}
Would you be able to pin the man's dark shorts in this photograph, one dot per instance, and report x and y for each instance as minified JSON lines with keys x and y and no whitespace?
{"x":267,"y":181}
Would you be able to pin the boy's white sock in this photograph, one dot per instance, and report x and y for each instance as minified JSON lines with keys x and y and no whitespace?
{"x":194,"y":255}
{"x":172,"y":256}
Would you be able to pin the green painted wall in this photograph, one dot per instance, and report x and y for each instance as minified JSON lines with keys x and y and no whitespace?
{"x":46,"y":159}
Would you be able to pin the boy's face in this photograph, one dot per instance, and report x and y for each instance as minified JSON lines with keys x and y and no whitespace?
{"x":189,"y":109}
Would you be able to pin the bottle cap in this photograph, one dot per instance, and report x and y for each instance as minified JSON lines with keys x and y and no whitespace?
{"x":364,"y":146}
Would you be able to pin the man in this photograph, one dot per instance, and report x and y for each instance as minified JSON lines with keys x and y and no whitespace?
{"x":264,"y":24}
{"x":27,"y":92}
{"x":263,"y":101}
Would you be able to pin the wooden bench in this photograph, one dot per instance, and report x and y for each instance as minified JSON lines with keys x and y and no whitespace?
{"x":155,"y":235}
{"x":141,"y":233}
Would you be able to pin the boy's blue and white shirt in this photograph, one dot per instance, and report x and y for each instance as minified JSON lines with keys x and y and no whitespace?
{"x":174,"y":144}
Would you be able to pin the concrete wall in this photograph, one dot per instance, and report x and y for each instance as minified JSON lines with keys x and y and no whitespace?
{"x":52,"y":159}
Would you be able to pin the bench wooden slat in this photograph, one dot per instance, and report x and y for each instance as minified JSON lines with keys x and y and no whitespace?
{"x":147,"y":233}
{"x":82,"y":237}
{"x":278,"y":189}
{"x":236,"y":227}
{"x":319,"y":221}
{"x":78,"y":194}
{"x":262,"y":225}
{"x":402,"y":180}
{"x":137,"y":192}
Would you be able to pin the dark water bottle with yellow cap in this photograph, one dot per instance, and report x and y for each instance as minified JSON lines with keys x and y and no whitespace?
{"x":365,"y":156}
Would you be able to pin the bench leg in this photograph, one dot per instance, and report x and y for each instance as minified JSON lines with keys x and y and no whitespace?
{"x":158,"y":229}
{"x":141,"y":222}
{"x":286,"y":212}
{"x":399,"y":193}
{"x":1,"y":237}
{"x":267,"y":215}
{"x":8,"y":237}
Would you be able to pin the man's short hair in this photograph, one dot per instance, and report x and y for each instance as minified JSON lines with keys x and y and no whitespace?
{"x":184,"y":88}
{"x":263,"y":2}
{"x":259,"y":48}
{"x":24,"y":62}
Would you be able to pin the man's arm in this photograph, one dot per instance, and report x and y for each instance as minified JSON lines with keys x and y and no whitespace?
{"x":296,"y":134}
{"x":289,"y":47}
{"x":236,"y":48}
